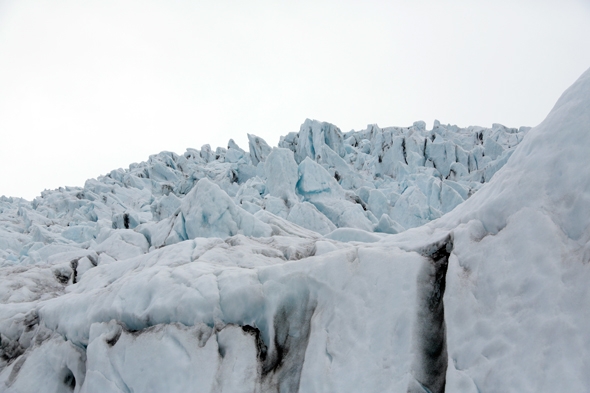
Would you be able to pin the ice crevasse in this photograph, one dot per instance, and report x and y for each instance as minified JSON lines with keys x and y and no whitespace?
{"x":381,"y":260}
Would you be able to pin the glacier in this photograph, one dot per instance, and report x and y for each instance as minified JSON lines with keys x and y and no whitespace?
{"x":394,"y":259}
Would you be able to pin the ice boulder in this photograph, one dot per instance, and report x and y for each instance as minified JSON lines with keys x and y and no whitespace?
{"x":388,"y":225}
{"x":319,"y":188}
{"x":314,"y":180}
{"x":259,"y":149}
{"x":127,"y":220}
{"x":308,"y":216}
{"x":121,"y":243}
{"x":412,"y":201}
{"x":208,"y":211}
{"x":234,"y":153}
{"x":165,"y":206}
{"x":281,"y":175}
{"x":311,"y":139}
{"x":80,"y":233}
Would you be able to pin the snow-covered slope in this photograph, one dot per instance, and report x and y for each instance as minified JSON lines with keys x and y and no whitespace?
{"x":517,"y":294}
{"x":272,"y":271}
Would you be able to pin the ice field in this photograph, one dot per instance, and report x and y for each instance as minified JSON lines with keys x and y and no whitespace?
{"x":398,"y":259}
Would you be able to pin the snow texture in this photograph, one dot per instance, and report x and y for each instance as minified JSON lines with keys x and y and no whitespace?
{"x":381,"y":260}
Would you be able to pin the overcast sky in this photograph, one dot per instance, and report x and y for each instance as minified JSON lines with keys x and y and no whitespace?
{"x":91,"y":86}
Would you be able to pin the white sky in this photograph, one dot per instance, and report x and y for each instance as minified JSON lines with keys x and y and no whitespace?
{"x":91,"y":86}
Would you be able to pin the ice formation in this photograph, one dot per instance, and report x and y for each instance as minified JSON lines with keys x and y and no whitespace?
{"x":381,"y":260}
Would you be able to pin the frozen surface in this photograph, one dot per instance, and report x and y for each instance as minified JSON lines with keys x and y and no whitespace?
{"x":381,"y":260}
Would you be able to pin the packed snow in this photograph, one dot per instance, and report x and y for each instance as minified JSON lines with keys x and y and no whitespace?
{"x":380,"y":260}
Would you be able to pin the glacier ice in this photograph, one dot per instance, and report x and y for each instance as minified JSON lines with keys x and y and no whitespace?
{"x":394,"y":259}
{"x":351,"y":179}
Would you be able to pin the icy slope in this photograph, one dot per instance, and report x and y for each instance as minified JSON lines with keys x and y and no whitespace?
{"x":208,"y":272}
{"x":520,"y":278}
{"x":517,"y":298}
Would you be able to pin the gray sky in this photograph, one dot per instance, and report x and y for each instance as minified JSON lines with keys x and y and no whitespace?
{"x":91,"y":86}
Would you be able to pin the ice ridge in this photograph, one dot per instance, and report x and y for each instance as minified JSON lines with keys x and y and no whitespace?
{"x":383,"y":180}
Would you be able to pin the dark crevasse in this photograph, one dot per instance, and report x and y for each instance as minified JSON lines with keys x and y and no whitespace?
{"x":430,"y":364}
{"x":280,"y":370}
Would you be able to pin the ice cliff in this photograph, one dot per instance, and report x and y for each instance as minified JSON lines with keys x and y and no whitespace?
{"x":381,"y":260}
